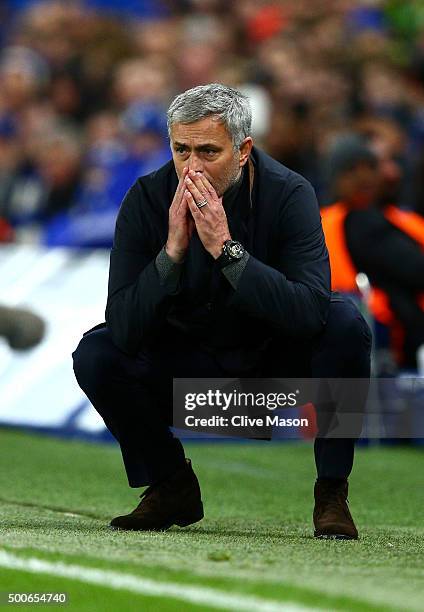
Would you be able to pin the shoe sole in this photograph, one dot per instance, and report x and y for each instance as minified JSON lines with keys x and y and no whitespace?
{"x":179,"y":521}
{"x":184,"y":522}
{"x":334,"y":536}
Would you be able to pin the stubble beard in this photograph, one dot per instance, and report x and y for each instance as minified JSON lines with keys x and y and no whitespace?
{"x":230,"y":177}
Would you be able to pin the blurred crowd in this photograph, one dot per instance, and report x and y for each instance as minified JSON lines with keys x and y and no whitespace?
{"x":84,"y":88}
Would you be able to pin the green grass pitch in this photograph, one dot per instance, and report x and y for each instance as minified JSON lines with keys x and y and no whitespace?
{"x":253,"y":551}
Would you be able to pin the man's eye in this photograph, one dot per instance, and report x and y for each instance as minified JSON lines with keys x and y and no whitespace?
{"x":210,"y":152}
{"x":179,"y":149}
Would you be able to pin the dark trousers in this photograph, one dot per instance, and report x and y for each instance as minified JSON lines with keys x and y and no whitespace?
{"x":134,"y":394}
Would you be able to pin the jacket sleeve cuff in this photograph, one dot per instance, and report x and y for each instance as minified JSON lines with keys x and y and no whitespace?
{"x":234,"y":271}
{"x":169,"y":271}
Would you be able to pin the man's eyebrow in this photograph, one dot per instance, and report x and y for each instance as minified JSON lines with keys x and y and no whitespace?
{"x":206,"y":145}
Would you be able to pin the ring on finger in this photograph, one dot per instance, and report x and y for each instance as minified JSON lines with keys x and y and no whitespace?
{"x":202,"y":203}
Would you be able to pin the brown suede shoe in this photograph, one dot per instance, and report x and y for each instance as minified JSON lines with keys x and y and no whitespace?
{"x":175,"y":501}
{"x":332,"y":519}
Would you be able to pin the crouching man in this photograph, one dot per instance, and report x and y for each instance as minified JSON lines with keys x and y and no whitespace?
{"x":218,"y":268}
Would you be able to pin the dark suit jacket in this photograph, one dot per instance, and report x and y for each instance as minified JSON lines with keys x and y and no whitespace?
{"x":284,"y":289}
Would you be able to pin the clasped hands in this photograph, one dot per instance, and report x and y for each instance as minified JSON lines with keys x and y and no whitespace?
{"x":210,"y":220}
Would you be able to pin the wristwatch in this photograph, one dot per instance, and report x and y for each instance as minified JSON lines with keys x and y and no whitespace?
{"x":232,"y":251}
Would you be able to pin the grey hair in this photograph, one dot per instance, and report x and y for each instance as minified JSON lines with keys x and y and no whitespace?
{"x":229,"y":105}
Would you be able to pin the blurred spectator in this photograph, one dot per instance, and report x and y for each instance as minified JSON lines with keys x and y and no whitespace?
{"x":366,"y":232}
{"x":23,"y":76}
{"x":120,"y":148}
{"x":49,"y":182}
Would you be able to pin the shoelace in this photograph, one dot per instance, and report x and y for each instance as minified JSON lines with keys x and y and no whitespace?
{"x":150,"y":489}
{"x":166,"y":484}
{"x":146,"y":493}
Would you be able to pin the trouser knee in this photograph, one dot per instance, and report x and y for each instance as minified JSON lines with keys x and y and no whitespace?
{"x":96,"y":362}
{"x":348,"y":337}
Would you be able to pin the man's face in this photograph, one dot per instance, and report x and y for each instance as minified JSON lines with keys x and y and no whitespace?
{"x":360,"y":186}
{"x":206,"y":147}
{"x":390,"y":170}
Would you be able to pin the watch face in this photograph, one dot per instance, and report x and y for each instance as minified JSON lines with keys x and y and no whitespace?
{"x":235,"y":250}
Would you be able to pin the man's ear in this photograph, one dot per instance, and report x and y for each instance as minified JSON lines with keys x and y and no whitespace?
{"x":245,"y":149}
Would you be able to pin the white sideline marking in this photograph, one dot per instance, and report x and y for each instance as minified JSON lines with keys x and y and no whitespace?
{"x":116,"y":580}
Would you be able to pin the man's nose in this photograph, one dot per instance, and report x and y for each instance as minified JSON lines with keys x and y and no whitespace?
{"x":195,"y":163}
